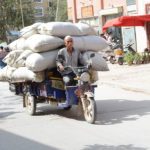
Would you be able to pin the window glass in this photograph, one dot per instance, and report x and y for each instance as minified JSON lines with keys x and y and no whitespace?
{"x":39,"y":12}
{"x":38,"y":1}
{"x":131,"y":2}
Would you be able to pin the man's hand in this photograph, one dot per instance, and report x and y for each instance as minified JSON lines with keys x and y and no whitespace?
{"x":61,"y":67}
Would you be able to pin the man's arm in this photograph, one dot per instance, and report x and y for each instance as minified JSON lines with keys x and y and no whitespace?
{"x":79,"y":58}
{"x":59,"y":60}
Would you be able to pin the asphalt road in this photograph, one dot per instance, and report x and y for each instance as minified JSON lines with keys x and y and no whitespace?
{"x":123,"y":123}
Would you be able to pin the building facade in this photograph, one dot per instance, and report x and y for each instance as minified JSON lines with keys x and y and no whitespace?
{"x":97,"y":12}
{"x":41,"y":8}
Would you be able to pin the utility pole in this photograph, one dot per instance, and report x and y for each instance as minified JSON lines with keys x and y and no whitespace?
{"x":21,"y":13}
{"x":56,"y":19}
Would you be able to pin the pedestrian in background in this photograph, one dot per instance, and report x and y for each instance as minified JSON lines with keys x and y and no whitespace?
{"x":3,"y":53}
{"x":103,"y":36}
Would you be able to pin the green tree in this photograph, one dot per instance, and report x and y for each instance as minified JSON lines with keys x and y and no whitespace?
{"x":11,"y":18}
{"x":62,"y":11}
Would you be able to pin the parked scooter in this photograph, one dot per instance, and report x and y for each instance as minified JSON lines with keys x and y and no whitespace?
{"x":129,"y":48}
{"x":118,"y":53}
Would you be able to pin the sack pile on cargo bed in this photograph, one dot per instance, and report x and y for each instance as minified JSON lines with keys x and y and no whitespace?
{"x":37,"y":48}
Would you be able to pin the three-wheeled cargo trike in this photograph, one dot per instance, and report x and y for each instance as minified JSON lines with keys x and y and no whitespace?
{"x":53,"y":91}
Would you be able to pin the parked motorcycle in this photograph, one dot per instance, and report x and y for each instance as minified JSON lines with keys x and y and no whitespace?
{"x":129,"y":48}
{"x":118,"y":53}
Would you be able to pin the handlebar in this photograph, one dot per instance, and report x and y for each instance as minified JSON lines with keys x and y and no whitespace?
{"x":75,"y":69}
{"x":129,"y":45}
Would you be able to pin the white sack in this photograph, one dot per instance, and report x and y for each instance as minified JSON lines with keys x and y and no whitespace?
{"x":29,"y":30}
{"x":62,"y":29}
{"x":21,"y":60}
{"x":13,"y":45}
{"x":41,"y":61}
{"x":18,"y":44}
{"x":21,"y":44}
{"x":11,"y":57}
{"x":89,"y":43}
{"x":6,"y":73}
{"x":85,"y":29}
{"x":24,"y":74}
{"x":43,"y":43}
{"x":98,"y":63}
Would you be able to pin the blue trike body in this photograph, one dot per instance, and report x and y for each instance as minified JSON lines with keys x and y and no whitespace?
{"x":54,"y":87}
{"x":45,"y":89}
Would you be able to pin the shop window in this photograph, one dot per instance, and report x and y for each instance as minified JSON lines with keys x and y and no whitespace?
{"x":49,"y":4}
{"x":148,"y":9}
{"x":130,"y":2}
{"x":39,"y":12}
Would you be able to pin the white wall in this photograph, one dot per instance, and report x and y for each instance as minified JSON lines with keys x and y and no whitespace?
{"x":141,"y":6}
{"x":140,"y":31}
{"x":141,"y":39}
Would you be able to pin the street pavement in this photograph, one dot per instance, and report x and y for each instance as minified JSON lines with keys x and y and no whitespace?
{"x":123,"y":117}
{"x":122,"y":123}
{"x":134,"y":77}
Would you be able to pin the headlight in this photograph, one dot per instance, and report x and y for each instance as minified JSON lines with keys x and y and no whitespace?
{"x":85,"y":77}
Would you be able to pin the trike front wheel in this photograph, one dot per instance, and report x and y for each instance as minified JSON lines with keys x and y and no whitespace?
{"x":30,"y":101}
{"x":90,"y":110}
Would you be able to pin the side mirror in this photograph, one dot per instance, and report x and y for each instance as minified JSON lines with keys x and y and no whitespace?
{"x":92,"y":55}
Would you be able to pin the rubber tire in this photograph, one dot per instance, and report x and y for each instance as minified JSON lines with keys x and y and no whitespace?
{"x":120,"y":61}
{"x":94,"y":111}
{"x":112,"y":61}
{"x":68,"y":108}
{"x":31,"y":110}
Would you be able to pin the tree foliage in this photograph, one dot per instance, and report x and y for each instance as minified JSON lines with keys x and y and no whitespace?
{"x":62,"y":11}
{"x":11,"y":18}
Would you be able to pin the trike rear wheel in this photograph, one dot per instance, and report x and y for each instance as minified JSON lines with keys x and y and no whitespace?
{"x":68,"y":108}
{"x":30,"y":101}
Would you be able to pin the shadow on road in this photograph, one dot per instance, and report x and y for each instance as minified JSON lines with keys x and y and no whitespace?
{"x":116,"y":111}
{"x":60,"y":112}
{"x":109,"y":112}
{"x":14,"y":142}
{"x":3,"y":115}
{"x":106,"y":147}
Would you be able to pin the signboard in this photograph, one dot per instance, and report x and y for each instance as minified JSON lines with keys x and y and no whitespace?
{"x":70,"y":14}
{"x":148,"y":9}
{"x":111,"y":11}
{"x":87,"y":11}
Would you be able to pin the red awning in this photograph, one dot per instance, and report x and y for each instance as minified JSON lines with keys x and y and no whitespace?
{"x":125,"y":21}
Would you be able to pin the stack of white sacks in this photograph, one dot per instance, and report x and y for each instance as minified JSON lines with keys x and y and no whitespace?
{"x":37,"y":48}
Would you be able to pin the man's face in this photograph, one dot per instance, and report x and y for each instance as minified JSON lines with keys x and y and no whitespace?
{"x":69,"y":43}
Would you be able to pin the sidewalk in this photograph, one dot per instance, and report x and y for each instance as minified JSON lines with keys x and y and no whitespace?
{"x":134,"y":77}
